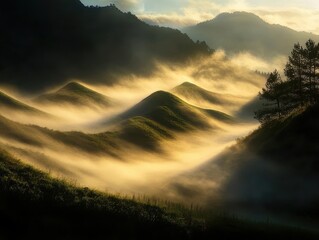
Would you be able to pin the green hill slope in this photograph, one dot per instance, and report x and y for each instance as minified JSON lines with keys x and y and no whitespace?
{"x":173,"y":113}
{"x":275,"y":170}
{"x":76,"y":94}
{"x":8,"y":103}
{"x":103,"y":143}
{"x":32,"y":204}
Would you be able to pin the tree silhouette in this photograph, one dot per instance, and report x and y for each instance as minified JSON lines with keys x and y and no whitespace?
{"x":300,"y":89}
{"x":273,"y":94}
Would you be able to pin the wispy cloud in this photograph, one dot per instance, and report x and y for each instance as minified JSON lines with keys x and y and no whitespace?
{"x":302,"y":15}
{"x":301,"y":19}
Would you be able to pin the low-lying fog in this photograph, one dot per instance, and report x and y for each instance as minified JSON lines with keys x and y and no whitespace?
{"x":138,"y":171}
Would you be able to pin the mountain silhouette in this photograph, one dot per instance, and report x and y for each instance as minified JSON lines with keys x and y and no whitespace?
{"x":76,"y":94}
{"x":246,"y":32}
{"x":46,"y":43}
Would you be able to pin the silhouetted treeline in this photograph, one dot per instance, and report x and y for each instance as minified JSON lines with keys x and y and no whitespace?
{"x":299,"y":89}
{"x":44,"y":43}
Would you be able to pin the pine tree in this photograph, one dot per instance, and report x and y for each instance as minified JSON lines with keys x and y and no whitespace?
{"x":294,"y":72}
{"x":274,"y":95}
{"x":311,"y":56}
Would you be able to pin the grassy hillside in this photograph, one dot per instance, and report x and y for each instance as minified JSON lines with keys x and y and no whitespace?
{"x":144,"y":133}
{"x":11,"y":104}
{"x":35,"y":206}
{"x":272,"y":173}
{"x":102,"y":143}
{"x":74,"y":93}
{"x":139,"y":131}
{"x":173,"y":113}
{"x":245,"y":32}
{"x":281,"y":166}
{"x":41,"y":48}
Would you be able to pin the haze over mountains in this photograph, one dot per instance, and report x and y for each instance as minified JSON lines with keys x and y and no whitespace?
{"x":245,"y":32}
{"x":97,"y":97}
{"x":202,"y":97}
{"x":76,"y":94}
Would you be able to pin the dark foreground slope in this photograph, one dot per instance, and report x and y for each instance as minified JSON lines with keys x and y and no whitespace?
{"x":35,"y":206}
{"x":281,"y":168}
{"x":273,"y":171}
{"x":45,"y":43}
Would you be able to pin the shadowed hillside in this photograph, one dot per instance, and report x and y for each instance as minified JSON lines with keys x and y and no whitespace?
{"x":245,"y":32}
{"x":32,"y":204}
{"x":273,"y":171}
{"x":45,"y":43}
{"x":75,"y":94}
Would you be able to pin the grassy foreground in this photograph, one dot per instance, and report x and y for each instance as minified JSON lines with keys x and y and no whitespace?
{"x":35,"y":206}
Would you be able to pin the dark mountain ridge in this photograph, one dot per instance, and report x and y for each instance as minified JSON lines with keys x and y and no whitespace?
{"x":45,"y":43}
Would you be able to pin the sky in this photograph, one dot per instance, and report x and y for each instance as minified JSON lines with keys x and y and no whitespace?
{"x":302,"y":15}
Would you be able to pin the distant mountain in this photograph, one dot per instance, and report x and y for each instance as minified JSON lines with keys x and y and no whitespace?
{"x":76,"y":94}
{"x":245,"y":32}
{"x":192,"y":92}
{"x":10,"y":104}
{"x":46,"y":43}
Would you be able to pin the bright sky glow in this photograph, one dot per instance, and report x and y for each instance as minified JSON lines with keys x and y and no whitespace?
{"x":302,"y":15}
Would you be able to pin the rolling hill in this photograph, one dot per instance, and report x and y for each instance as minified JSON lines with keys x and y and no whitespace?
{"x":196,"y":94}
{"x":245,"y":32}
{"x":46,"y":43}
{"x":173,"y":113}
{"x":76,"y":94}
{"x":103,"y":143}
{"x":14,"y":106}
